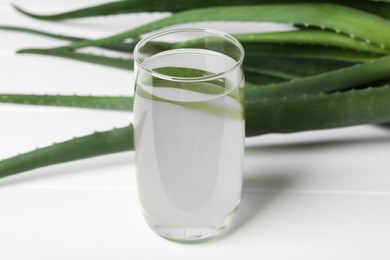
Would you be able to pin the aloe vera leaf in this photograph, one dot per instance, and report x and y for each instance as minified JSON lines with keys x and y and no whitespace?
{"x":309,"y":52}
{"x":122,"y":47}
{"x":275,"y":67}
{"x":127,"y":64}
{"x":340,"y":79}
{"x":133,"y":6}
{"x":120,"y":103}
{"x":120,"y":63}
{"x":283,"y":76}
{"x":117,"y":7}
{"x":98,"y":102}
{"x":114,"y":103}
{"x":367,"y":106}
{"x":379,"y":7}
{"x":254,"y":80}
{"x":278,"y":69}
{"x":283,"y":49}
{"x":351,"y":22}
{"x":344,"y":78}
{"x":125,"y":103}
{"x":263,"y":117}
{"x":299,"y":37}
{"x":98,"y":143}
{"x":39,"y":32}
{"x":290,"y":68}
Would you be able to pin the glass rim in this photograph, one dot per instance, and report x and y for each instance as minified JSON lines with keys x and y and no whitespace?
{"x":189,"y":29}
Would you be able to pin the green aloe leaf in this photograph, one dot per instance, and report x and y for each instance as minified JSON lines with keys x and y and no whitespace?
{"x":282,"y":68}
{"x":348,"y":21}
{"x":98,"y":143}
{"x":258,"y":79}
{"x":299,"y":37}
{"x":122,"y":47}
{"x":344,"y":78}
{"x":98,"y":102}
{"x":304,"y":37}
{"x":121,"y":63}
{"x":359,"y":76}
{"x":288,"y":115}
{"x":263,"y":76}
{"x":324,"y":111}
{"x":355,"y":76}
{"x":329,"y":81}
{"x":40,"y":32}
{"x":288,"y":68}
{"x":308,"y":52}
{"x":279,"y":66}
{"x":133,"y":6}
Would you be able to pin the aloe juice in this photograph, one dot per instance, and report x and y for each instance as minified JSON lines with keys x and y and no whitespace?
{"x":189,"y":142}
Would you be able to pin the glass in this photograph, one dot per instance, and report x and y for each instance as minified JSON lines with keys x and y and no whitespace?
{"x":189,"y":131}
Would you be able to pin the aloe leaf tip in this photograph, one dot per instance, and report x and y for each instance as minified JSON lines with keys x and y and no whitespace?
{"x":27,"y":13}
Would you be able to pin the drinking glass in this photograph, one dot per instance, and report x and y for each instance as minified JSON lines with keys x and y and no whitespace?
{"x":189,"y":131}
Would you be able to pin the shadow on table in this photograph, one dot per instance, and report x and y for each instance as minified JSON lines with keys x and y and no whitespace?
{"x":261,"y":189}
{"x":254,"y":201}
{"x":74,"y":168}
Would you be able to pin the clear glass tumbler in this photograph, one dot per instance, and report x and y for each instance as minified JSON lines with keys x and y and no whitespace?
{"x":189,"y":131}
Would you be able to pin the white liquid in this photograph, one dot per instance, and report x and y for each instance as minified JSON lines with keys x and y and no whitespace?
{"x":189,"y":161}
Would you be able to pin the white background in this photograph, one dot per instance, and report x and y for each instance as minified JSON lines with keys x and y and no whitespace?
{"x":314,"y":195}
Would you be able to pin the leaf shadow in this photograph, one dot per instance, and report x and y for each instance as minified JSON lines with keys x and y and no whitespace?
{"x":261,"y":189}
{"x":256,"y":197}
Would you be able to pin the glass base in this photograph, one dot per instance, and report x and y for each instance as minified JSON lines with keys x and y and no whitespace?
{"x":194,"y":234}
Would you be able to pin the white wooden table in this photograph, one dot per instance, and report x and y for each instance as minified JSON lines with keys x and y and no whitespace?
{"x":314,"y":195}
